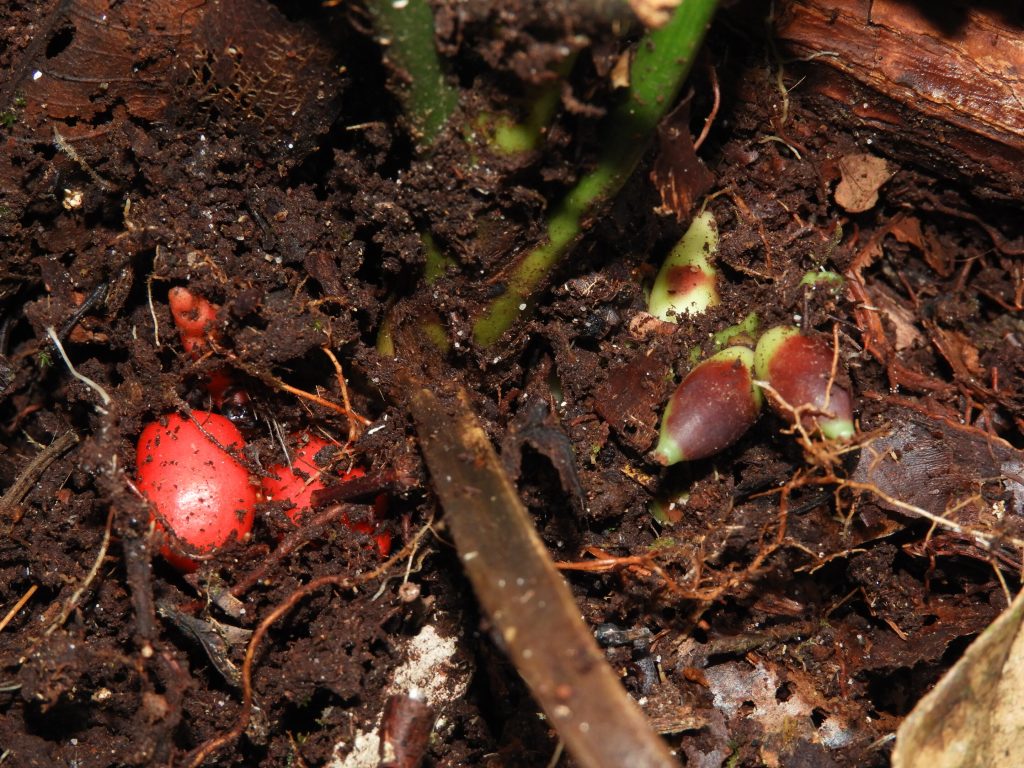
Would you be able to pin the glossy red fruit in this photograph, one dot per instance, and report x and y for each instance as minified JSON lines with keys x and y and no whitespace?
{"x":201,"y":494}
{"x":799,"y":369}
{"x":711,"y":409}
{"x":194,"y":317}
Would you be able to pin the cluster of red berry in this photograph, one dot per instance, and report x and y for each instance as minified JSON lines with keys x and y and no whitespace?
{"x":191,"y":471}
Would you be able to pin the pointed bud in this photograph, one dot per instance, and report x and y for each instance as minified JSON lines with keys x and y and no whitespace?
{"x":686,"y":283}
{"x":825,"y":278}
{"x":715,"y":404}
{"x":743,"y":333}
{"x":799,"y":368}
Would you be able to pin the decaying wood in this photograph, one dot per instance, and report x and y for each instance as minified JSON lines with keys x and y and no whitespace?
{"x":534,"y":615}
{"x":33,"y":470}
{"x":943,"y":77}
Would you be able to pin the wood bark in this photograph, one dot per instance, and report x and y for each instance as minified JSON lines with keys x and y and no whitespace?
{"x":940,"y":84}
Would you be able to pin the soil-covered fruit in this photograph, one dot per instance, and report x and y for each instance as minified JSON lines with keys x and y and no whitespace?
{"x":200,"y":493}
{"x":799,"y":368}
{"x":711,"y":409}
{"x":297,"y":483}
{"x":195,"y":319}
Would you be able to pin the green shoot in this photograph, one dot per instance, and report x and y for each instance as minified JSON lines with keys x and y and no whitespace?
{"x":663,"y":60}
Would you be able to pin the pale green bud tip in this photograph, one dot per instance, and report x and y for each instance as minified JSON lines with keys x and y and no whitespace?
{"x":744,"y":332}
{"x":815,"y":276}
{"x":837,"y":429}
{"x":667,"y":452}
{"x":686,"y":283}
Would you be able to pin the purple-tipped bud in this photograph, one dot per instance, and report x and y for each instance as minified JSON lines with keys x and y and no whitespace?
{"x":799,"y":368}
{"x":715,"y":404}
{"x":687,"y":282}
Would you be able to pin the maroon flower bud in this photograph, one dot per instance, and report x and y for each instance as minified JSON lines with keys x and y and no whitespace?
{"x":799,"y":368}
{"x":711,"y":409}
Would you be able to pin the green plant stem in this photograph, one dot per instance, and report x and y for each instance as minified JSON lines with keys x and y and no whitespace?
{"x":406,"y":31}
{"x":513,"y":138}
{"x":662,"y":62}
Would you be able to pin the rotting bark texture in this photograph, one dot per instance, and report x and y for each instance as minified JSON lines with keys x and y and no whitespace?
{"x":950,"y":78}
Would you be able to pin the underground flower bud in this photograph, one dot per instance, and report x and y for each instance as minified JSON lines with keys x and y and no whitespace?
{"x":686,"y":283}
{"x":711,"y":409}
{"x":743,"y":333}
{"x":799,"y":368}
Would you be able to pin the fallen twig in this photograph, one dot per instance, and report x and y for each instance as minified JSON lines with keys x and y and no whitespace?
{"x":18,"y":606}
{"x":94,"y":386}
{"x":535,"y":619}
{"x":20,"y":487}
{"x":72,"y":602}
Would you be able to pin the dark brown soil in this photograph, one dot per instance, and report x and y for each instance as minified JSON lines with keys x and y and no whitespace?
{"x":796,"y":616}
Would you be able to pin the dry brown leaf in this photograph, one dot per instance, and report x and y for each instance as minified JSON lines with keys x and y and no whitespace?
{"x":974,"y":716}
{"x":862,"y":176}
{"x":909,"y":230}
{"x":947,"y":468}
{"x":958,"y":350}
{"x":901,"y":318}
{"x":680,"y":176}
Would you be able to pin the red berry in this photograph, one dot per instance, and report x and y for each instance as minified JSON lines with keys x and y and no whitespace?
{"x":194,"y":317}
{"x":297,"y":483}
{"x":201,"y":493}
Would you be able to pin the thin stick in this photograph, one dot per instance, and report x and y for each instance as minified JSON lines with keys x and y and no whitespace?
{"x":149,"y":300}
{"x":716,"y":91}
{"x":275,"y":429}
{"x":273,"y":381}
{"x":311,"y":529}
{"x":35,"y":468}
{"x":311,"y":397}
{"x":354,"y":419}
{"x":18,"y":606}
{"x":526,"y":600}
{"x":81,"y":377}
{"x":90,"y":577}
{"x":64,"y":146}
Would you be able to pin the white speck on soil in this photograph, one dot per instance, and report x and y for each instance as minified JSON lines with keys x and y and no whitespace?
{"x":427,"y":673}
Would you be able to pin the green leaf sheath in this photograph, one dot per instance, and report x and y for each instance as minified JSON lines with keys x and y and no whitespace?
{"x":406,"y":31}
{"x":663,"y":60}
